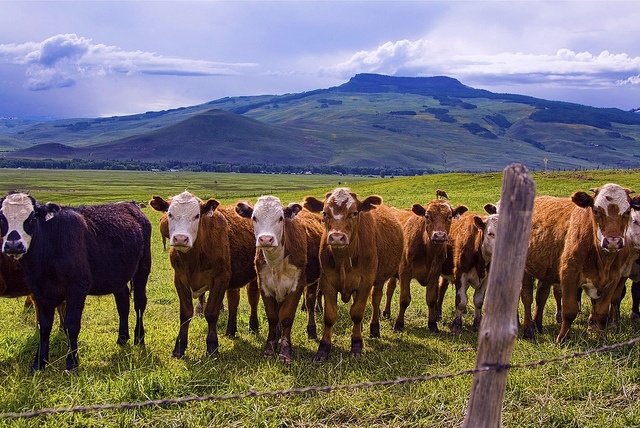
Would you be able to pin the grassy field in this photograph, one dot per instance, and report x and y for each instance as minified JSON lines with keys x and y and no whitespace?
{"x":599,"y":390}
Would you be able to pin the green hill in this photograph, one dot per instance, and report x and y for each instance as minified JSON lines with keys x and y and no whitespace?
{"x":434,"y":124}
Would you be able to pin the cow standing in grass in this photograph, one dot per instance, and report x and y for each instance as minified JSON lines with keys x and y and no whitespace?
{"x":69,"y":253}
{"x":288,"y":242}
{"x":360,"y":249}
{"x":212,"y":250}
{"x":577,"y":242}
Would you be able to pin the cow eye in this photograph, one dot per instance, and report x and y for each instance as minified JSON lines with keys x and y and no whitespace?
{"x":355,"y":213}
{"x":169,"y":215}
{"x":254,"y":219}
{"x":281,"y":218}
{"x":197,"y":216}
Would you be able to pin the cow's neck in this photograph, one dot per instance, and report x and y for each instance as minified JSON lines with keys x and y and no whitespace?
{"x":346,"y":256}
{"x":274,"y":256}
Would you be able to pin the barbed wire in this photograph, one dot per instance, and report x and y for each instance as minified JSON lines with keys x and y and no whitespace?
{"x":313,"y":389}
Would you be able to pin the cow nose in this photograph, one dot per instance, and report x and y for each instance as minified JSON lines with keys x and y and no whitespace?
{"x":180,"y":240}
{"x":14,"y":248}
{"x":439,"y":237}
{"x":266,"y":241}
{"x":613,"y":243}
{"x":337,"y":238}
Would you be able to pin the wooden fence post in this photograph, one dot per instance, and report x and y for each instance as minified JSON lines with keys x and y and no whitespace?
{"x":499,"y":328}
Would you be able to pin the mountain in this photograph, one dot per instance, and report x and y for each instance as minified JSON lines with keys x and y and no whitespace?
{"x":432,"y":124}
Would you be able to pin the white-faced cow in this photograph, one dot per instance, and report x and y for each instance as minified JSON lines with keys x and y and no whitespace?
{"x":577,"y":242}
{"x":360,"y":249}
{"x":426,"y":233}
{"x":212,"y":250}
{"x":469,"y":251}
{"x":69,"y":253}
{"x":288,"y":243}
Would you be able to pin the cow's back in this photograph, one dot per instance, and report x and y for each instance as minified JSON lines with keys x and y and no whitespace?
{"x":242,"y":247}
{"x":389,"y":241}
{"x":549,"y":226}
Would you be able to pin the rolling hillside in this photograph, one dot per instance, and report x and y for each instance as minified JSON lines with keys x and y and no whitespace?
{"x":433,"y":124}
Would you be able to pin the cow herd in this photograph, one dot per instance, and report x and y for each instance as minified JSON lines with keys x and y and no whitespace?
{"x":318,"y":249}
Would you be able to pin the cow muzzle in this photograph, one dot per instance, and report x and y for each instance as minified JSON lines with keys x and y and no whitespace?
{"x":337,"y":239}
{"x":439,"y":237}
{"x":181,"y":242}
{"x":15,"y":249}
{"x":612,"y":243}
{"x":266,"y":241}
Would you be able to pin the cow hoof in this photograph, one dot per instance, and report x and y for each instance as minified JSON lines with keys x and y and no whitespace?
{"x":635,"y":317}
{"x":177,"y":354}
{"x":398,"y":326}
{"x":356,"y":347}
{"x":253,"y":324}
{"x":311,"y":332}
{"x":386,"y":315}
{"x":456,"y":326}
{"x":476,"y":325}
{"x":323,"y":352}
{"x":374,"y":330}
{"x":559,"y":317}
{"x":268,"y":353}
{"x":122,"y":340}
{"x":528,"y":333}
{"x":433,"y":327}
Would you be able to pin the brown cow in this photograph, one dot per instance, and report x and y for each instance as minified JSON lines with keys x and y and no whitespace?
{"x":469,"y":253}
{"x":288,"y":242}
{"x":360,"y":249}
{"x":425,"y":235}
{"x":577,"y":242}
{"x":212,"y":249}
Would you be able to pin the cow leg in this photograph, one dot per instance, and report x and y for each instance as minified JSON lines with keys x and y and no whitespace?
{"x":75,"y":306}
{"x":601,"y":308}
{"x":253,"y":295}
{"x":45,"y":324}
{"x":461,"y":304}
{"x":443,"y":286}
{"x":405,"y":301}
{"x":271,"y":309}
{"x":360,"y":298}
{"x":569,"y":306}
{"x":431,"y":292}
{"x":330,"y":317}
{"x":616,"y":299}
{"x":286,"y":315}
{"x":122,"y":305}
{"x":542,"y":295}
{"x":233,"y":301}
{"x":376,"y":298}
{"x":139,"y":285}
{"x":526,"y":295}
{"x":635,"y":301}
{"x":478,"y":302}
{"x":212,"y":313}
{"x":391,"y":288}
{"x":310,"y":293}
{"x":186,"y":314}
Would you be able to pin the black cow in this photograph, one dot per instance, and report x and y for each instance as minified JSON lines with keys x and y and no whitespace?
{"x":69,"y":253}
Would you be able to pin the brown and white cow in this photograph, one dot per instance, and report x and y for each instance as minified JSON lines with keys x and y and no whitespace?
{"x":287,"y":263}
{"x":577,"y":242}
{"x":426,"y":233}
{"x":212,"y":250}
{"x":469,"y":252}
{"x":360,"y":249}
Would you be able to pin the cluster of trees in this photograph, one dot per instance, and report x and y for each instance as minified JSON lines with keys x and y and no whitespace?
{"x":133,"y":165}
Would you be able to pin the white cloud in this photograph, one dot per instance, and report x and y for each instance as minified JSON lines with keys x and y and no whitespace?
{"x":60,"y":60}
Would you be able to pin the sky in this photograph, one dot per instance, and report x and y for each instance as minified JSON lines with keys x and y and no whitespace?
{"x":71,"y":59}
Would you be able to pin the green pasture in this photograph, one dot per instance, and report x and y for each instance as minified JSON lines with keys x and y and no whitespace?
{"x":602,"y":389}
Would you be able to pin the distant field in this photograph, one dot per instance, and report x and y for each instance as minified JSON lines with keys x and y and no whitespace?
{"x":598,"y":390}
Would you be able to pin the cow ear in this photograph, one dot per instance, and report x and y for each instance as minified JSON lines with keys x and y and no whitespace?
{"x":159,"y":204}
{"x":312,"y":204}
{"x":491,"y":209}
{"x":418,"y":210}
{"x":209,"y":207}
{"x":292,"y":210}
{"x":479,"y":222}
{"x":244,"y":209}
{"x":459,"y":210}
{"x":582,"y":199}
{"x":635,"y":203}
{"x":47,"y":211}
{"x":370,"y":203}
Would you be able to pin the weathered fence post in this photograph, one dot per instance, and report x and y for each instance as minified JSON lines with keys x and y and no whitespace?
{"x":499,"y":328}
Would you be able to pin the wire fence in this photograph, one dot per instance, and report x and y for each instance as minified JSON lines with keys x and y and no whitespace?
{"x":313,"y":389}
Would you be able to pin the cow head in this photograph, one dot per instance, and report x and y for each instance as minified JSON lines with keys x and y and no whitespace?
{"x":633,"y":230}
{"x":19,"y":216}
{"x":489,"y":227}
{"x":268,"y":216}
{"x":184,"y":212}
{"x":611,"y":208}
{"x":340,"y":210}
{"x":438,"y":215}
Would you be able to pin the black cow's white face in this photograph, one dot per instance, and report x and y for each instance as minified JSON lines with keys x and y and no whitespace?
{"x":17,"y":223}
